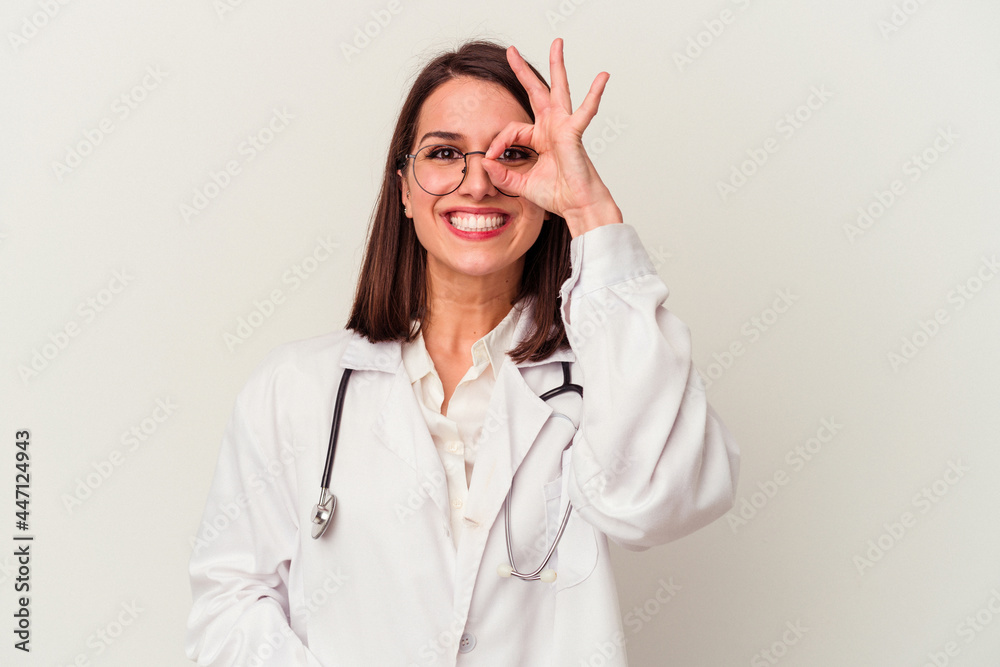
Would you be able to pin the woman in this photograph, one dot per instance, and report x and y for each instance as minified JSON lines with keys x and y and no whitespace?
{"x":496,"y":259}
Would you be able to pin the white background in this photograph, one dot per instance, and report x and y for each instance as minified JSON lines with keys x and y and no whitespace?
{"x":816,"y":544}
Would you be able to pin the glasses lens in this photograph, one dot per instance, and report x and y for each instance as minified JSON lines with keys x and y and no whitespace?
{"x":441,"y":169}
{"x":518,"y":158}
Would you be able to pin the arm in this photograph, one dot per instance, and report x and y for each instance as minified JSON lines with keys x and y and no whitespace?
{"x":651,"y":462}
{"x":239,"y":566}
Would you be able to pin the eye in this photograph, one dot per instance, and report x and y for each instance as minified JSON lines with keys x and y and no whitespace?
{"x":443,"y":153}
{"x":517,"y":154}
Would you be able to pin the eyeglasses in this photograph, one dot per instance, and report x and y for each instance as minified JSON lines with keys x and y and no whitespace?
{"x":439,"y":170}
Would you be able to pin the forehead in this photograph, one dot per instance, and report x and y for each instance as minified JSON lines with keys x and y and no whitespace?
{"x":474,"y":108}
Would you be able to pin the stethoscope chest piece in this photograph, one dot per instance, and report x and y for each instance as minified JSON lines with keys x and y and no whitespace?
{"x":323,"y":512}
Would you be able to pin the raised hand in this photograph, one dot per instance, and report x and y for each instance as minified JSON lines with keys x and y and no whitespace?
{"x":564,"y":180}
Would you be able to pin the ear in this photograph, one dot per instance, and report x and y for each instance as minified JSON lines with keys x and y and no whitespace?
{"x":403,"y":190}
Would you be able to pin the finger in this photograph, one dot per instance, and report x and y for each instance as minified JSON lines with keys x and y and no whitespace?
{"x":511,"y":182}
{"x":538,"y":94}
{"x":557,"y":72}
{"x":588,"y":108}
{"x":514,"y":133}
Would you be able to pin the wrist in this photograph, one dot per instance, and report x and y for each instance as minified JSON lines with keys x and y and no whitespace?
{"x":600,"y":213}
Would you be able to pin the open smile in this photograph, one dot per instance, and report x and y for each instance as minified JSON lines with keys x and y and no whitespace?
{"x":476,"y":223}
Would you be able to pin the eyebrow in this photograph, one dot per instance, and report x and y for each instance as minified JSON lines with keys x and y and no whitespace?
{"x":440,"y":134}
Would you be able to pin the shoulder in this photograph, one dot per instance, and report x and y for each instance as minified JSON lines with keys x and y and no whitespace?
{"x":308,"y":352}
{"x":302,"y":364}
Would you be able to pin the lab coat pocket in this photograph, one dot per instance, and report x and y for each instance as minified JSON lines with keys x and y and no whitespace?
{"x":552,"y":492}
{"x":576,"y":555}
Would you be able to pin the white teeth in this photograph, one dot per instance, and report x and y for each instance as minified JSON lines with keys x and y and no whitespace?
{"x":476,"y":223}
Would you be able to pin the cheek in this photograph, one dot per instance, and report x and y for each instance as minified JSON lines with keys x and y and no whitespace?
{"x":420,"y":200}
{"x":535,"y":214}
{"x":533,"y":229}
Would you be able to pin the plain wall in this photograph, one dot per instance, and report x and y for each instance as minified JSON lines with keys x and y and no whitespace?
{"x":816,"y":183}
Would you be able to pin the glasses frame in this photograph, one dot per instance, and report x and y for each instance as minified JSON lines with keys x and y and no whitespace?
{"x":465,"y":169}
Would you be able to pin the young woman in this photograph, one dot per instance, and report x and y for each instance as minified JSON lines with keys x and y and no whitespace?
{"x":497,"y":269}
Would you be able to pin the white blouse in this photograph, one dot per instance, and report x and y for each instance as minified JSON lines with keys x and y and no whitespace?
{"x":456,"y":434}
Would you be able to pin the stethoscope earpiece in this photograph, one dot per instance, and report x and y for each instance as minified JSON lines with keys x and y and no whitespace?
{"x":548,"y":575}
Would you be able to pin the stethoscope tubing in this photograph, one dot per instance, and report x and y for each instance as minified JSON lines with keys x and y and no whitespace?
{"x":338,"y":410}
{"x":324,"y":509}
{"x":536,"y":574}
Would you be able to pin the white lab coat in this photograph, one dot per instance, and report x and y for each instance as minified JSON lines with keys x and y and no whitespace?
{"x":385,"y":586}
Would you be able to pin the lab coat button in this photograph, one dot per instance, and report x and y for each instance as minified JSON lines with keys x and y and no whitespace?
{"x":457,"y":503}
{"x":467,"y":643}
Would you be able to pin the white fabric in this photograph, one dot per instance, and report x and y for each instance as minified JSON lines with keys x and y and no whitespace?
{"x":455,"y":433}
{"x":650,"y":462}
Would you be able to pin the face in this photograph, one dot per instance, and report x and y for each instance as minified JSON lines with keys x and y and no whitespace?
{"x":468,"y":113}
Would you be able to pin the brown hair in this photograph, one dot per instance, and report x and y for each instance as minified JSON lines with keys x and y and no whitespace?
{"x":391,"y":287}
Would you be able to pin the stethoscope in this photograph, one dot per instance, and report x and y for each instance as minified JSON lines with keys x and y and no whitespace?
{"x":323,"y":510}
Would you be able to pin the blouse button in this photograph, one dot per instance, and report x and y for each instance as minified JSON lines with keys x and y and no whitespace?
{"x":467,"y":643}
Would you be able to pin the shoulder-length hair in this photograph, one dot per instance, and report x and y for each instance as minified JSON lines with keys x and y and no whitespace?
{"x":392,"y":288}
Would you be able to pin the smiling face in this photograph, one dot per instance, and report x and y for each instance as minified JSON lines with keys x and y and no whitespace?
{"x":475,"y":230}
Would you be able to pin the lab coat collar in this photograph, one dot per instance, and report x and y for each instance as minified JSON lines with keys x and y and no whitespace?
{"x":362,"y":354}
{"x":488,"y":353}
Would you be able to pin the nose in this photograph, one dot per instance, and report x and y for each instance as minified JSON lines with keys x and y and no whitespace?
{"x":477,"y":182}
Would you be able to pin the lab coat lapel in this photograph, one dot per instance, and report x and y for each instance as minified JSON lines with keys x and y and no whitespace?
{"x":513,"y":420}
{"x":400,"y":425}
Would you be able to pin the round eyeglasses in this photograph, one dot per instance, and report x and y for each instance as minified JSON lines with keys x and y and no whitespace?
{"x":439,"y":169}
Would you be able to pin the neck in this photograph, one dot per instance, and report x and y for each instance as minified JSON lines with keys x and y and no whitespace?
{"x":462,"y":309}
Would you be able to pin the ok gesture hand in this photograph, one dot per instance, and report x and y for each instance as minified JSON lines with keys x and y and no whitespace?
{"x":564,"y":180}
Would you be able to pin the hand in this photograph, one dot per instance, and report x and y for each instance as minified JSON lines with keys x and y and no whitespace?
{"x":564,"y":180}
